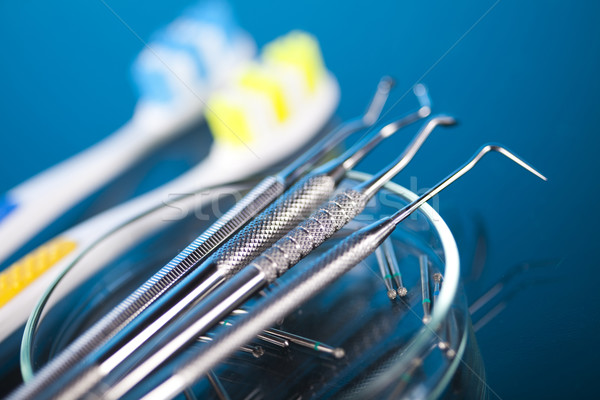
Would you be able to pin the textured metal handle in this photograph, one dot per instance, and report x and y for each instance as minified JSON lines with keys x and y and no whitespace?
{"x":283,"y":301}
{"x":257,"y":199}
{"x":320,"y":226}
{"x":264,"y":230}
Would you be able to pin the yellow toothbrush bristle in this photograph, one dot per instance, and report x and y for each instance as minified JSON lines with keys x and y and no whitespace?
{"x":228,"y":120}
{"x":300,"y":50}
{"x":23,"y":272}
{"x":256,"y":79}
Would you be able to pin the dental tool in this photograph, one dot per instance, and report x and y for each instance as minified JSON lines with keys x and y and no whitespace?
{"x":174,"y":75}
{"x":390,"y":255}
{"x":329,"y":267}
{"x":386,"y":273}
{"x":254,"y":97}
{"x":261,"y":196}
{"x":321,"y":225}
{"x":425,"y":293}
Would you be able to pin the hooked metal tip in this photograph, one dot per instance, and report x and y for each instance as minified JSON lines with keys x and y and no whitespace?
{"x":409,"y":209}
{"x":507,"y":153}
{"x":381,"y":96}
{"x":422,"y":94}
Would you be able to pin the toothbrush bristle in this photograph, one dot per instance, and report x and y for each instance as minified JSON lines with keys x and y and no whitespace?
{"x":299,"y":50}
{"x":268,"y":93}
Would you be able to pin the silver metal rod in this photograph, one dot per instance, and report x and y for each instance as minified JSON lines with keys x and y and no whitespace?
{"x":437,"y":286}
{"x":218,"y":387}
{"x":390,"y":255}
{"x":372,"y":185}
{"x":425,"y":293}
{"x":386,"y":273}
{"x":337,"y":352}
{"x":256,"y":351}
{"x":265,"y":336}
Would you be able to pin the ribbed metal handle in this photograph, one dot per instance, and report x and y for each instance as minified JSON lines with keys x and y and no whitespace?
{"x":313,"y":231}
{"x":282,"y":216}
{"x":257,"y":199}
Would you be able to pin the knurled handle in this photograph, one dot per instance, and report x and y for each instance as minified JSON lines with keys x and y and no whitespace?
{"x":278,"y":219}
{"x":320,"y":226}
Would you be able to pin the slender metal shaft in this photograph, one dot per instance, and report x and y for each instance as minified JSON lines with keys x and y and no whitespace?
{"x":256,"y":351}
{"x":425,"y":292}
{"x":303,"y":163}
{"x":390,"y":255}
{"x":437,"y":286}
{"x":337,"y":352}
{"x":266,"y":336}
{"x":218,"y":387}
{"x":386,"y":273}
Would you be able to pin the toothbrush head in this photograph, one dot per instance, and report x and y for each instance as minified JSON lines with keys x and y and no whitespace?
{"x":274,"y":105}
{"x":184,"y":62}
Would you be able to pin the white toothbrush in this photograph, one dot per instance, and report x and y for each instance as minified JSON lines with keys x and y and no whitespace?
{"x":194,"y":55}
{"x":275,"y":106}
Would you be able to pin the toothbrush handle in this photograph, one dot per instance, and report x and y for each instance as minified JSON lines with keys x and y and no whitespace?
{"x":40,"y":200}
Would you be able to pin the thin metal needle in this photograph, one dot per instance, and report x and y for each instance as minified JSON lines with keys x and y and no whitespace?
{"x":265,"y":337}
{"x":424,"y":266}
{"x":337,"y":352}
{"x":386,"y":273}
{"x":256,"y":351}
{"x":390,"y":255}
{"x":215,"y":382}
{"x":437,"y":286}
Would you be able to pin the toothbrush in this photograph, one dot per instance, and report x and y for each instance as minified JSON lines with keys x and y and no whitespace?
{"x":252,"y":109}
{"x":195,"y":55}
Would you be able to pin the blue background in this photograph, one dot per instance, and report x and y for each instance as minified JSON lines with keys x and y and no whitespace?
{"x":526,"y":75}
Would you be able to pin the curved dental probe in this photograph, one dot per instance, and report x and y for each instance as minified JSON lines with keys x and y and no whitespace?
{"x":251,"y":204}
{"x":329,"y":267}
{"x":321,"y":225}
{"x":259,"y":234}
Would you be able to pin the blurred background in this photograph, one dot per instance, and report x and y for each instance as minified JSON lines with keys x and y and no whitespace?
{"x":524,"y":74}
